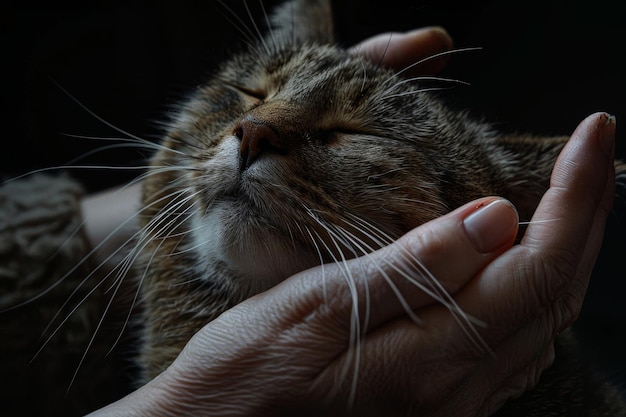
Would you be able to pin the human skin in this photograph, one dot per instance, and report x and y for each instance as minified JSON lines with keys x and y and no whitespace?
{"x":287,"y":345}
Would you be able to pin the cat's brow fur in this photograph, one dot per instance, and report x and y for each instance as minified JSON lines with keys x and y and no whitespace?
{"x":354,"y":142}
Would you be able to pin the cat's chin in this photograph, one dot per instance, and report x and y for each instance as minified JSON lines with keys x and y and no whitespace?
{"x":258,"y":256}
{"x":264,"y":265}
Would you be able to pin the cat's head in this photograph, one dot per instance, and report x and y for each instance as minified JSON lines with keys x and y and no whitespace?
{"x":298,"y":152}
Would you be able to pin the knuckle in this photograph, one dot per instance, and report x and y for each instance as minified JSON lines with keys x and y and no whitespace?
{"x":427,"y":244}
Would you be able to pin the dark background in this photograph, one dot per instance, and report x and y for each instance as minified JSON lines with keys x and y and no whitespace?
{"x":544,"y":66}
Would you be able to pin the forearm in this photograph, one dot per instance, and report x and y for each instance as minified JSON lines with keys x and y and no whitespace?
{"x":111,"y":219}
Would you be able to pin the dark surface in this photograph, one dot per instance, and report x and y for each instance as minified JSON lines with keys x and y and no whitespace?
{"x":544,"y":66}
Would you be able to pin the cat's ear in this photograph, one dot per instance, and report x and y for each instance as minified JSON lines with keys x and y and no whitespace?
{"x":302,"y":21}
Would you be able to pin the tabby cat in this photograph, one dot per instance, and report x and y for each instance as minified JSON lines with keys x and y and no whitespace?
{"x":296,"y":146}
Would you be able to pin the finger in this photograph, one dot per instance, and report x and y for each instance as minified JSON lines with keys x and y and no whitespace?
{"x":564,"y":232}
{"x":567,"y":228}
{"x":580,"y":191}
{"x":401,"y":50}
{"x":405,"y":275}
{"x":570,"y":303}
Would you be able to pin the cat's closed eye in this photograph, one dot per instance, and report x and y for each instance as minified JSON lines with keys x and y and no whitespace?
{"x":253,"y":93}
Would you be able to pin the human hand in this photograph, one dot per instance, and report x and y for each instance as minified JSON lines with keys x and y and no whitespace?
{"x":292,"y":344}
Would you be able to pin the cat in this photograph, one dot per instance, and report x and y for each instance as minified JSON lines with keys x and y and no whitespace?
{"x":366,"y":151}
{"x":296,"y":146}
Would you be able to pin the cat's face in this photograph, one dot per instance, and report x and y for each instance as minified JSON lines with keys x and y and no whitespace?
{"x":297,"y":153}
{"x":291,"y":154}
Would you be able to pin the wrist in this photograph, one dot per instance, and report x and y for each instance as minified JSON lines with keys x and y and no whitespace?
{"x":155,"y":399}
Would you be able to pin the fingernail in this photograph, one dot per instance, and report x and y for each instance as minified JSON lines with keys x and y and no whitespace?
{"x":607,"y":135}
{"x":492,"y":225}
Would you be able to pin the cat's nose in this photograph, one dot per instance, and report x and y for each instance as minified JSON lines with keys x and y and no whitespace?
{"x":256,"y":138}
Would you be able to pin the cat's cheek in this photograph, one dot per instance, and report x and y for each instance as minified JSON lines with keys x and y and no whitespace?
{"x":216,"y":174}
{"x":223,"y":159}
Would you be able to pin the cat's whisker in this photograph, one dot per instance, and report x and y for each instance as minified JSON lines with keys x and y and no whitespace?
{"x":104,"y":149}
{"x":181,"y":235}
{"x":353,"y":351}
{"x":67,"y":316}
{"x":159,"y":170}
{"x":106,"y":260}
{"x":94,"y":115}
{"x":80,"y":226}
{"x":321,"y":258}
{"x":239,"y":24}
{"x":108,"y":148}
{"x":379,"y":237}
{"x":529,"y":222}
{"x":422,"y":78}
{"x":364,"y":75}
{"x":292,"y":23}
{"x":366,"y":250}
{"x":139,"y":247}
{"x":126,"y":142}
{"x":166,"y":212}
{"x":149,"y":170}
{"x":260,"y":36}
{"x":430,"y":78}
{"x":431,"y":57}
{"x":84,"y":281}
{"x":379,"y":64}
{"x":337,"y":255}
{"x":75,"y":167}
{"x":272,"y":35}
{"x":434,"y":289}
{"x":116,"y":285}
{"x":129,"y":140}
{"x":358,"y":247}
{"x":130,"y":262}
{"x":93,"y":337}
{"x":391,"y":171}
{"x":413,"y":92}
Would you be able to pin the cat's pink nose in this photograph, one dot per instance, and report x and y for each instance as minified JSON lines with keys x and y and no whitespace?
{"x":256,"y":138}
